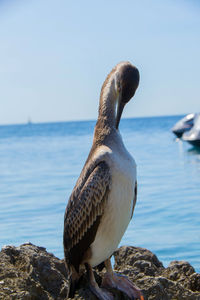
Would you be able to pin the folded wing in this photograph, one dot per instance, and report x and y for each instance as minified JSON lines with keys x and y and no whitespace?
{"x":83,"y":213}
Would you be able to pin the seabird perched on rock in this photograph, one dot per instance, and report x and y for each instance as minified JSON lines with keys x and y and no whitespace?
{"x":102,"y":202}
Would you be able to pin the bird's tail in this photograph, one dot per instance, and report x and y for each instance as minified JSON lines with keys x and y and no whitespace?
{"x":74,"y":281}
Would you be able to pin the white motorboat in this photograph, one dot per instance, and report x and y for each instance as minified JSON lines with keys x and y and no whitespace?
{"x":183,"y":125}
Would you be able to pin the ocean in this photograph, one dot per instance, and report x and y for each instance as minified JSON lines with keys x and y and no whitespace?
{"x":40,"y":163}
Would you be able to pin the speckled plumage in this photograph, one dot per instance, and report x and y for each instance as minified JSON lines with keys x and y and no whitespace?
{"x":84,"y":210}
{"x":103,"y":199}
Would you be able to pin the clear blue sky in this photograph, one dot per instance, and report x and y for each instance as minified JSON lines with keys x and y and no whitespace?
{"x":55,"y":55}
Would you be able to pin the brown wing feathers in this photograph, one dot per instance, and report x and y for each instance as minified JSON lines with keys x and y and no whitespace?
{"x":83,"y":214}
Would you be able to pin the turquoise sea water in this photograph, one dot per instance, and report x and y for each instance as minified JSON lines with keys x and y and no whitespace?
{"x":39,"y":165}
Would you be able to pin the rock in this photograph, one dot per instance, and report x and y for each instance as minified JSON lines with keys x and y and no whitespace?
{"x":29,"y":272}
{"x":177,"y":282}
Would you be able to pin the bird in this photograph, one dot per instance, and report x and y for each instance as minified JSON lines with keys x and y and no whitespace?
{"x":102,"y":202}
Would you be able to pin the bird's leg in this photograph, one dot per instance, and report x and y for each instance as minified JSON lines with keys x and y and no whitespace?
{"x":100,"y":293}
{"x":120,"y":282}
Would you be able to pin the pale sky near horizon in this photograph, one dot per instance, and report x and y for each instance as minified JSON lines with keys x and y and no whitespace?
{"x":55,"y":55}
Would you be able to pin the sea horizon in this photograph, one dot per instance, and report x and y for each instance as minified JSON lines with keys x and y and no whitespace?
{"x":30,"y":121}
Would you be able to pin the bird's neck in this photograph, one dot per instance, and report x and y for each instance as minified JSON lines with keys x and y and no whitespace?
{"x":107,"y":111}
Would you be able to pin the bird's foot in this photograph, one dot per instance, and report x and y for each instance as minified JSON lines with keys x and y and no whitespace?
{"x":123,"y":284}
{"x":100,"y":293}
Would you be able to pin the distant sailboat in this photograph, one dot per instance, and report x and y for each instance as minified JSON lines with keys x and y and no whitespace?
{"x":29,"y":122}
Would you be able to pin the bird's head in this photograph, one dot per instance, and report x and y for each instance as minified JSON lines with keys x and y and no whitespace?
{"x":126,"y":78}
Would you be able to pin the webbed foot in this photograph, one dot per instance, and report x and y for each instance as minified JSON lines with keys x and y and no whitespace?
{"x":101,"y":293}
{"x":123,"y":284}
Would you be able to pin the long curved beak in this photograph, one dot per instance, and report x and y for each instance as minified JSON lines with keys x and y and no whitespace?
{"x":119,"y":113}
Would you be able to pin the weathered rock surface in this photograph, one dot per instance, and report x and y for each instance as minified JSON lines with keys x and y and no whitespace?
{"x":177,"y":282}
{"x":29,"y":272}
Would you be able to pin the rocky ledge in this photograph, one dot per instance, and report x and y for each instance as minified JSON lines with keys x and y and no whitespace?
{"x":29,"y":272}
